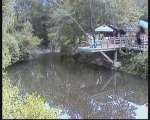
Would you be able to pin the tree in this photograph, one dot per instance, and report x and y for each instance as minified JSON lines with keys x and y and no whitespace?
{"x":70,"y":26}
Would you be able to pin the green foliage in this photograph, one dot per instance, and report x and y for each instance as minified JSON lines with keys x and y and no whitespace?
{"x":53,"y":36}
{"x":26,"y":40}
{"x":34,"y":104}
{"x":6,"y":55}
{"x":10,"y":48}
{"x":8,"y":14}
{"x":126,"y":11}
{"x":31,"y":107}
{"x":135,"y":63}
{"x":16,"y":45}
{"x":50,"y":18}
{"x":36,"y":14}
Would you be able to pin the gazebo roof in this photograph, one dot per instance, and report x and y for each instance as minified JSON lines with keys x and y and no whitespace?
{"x":104,"y":28}
{"x":128,"y":27}
{"x":114,"y":27}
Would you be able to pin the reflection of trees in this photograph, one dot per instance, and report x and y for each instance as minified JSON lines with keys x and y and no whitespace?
{"x":115,"y":108}
{"x":74,"y":86}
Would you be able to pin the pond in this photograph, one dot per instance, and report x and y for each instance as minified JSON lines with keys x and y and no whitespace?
{"x":82,"y":91}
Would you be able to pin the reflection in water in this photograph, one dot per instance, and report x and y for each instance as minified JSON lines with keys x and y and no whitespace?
{"x":83,"y":92}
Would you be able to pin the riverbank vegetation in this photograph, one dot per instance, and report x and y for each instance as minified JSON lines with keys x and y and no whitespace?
{"x":63,"y":23}
{"x":135,"y":63}
{"x":27,"y":24}
{"x":27,"y":107}
{"x":18,"y":44}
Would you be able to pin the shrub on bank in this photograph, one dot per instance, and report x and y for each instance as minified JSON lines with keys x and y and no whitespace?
{"x":135,"y":63}
{"x":32,"y":106}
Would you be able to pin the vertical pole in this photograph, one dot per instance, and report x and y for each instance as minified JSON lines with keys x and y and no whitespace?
{"x":115,"y":59}
{"x":119,"y":39}
{"x":107,"y":41}
{"x":115,"y":80}
{"x":114,"y":42}
{"x":115,"y":56}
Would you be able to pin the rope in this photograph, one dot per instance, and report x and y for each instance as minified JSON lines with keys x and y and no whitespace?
{"x":54,"y":1}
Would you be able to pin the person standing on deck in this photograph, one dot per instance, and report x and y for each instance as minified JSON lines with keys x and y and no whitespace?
{"x":101,"y":38}
{"x":140,"y":37}
{"x":91,"y":40}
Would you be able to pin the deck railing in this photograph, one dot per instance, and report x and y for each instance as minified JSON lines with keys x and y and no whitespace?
{"x":128,"y":42}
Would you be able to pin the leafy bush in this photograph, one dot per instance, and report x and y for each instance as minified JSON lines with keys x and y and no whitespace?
{"x":6,"y":57}
{"x":31,"y":107}
{"x":26,"y":40}
{"x":136,"y":63}
{"x":12,"y":43}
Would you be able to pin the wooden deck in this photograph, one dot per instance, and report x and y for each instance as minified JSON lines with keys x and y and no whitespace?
{"x":110,"y":48}
{"x":99,"y":48}
{"x":140,"y":49}
{"x":114,"y":44}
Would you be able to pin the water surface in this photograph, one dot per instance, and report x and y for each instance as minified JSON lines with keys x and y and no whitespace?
{"x":81,"y":91}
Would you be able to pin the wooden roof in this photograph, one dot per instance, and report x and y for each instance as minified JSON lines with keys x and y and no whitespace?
{"x":128,"y":27}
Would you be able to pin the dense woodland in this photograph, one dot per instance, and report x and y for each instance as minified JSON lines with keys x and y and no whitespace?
{"x":29,"y":24}
{"x":49,"y":23}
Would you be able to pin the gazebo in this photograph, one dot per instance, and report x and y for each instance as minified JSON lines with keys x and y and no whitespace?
{"x":104,"y":29}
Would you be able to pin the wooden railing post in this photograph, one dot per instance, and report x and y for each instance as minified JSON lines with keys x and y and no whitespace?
{"x":133,"y":38}
{"x":132,"y":44}
{"x":120,"y":41}
{"x":114,"y":42}
{"x":142,"y":41}
{"x":107,"y":43}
